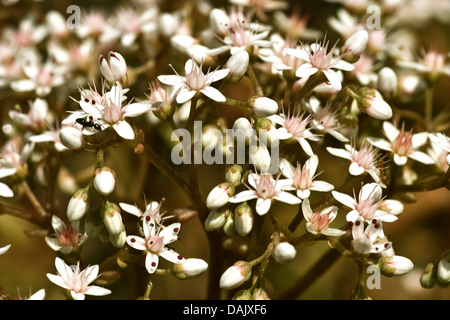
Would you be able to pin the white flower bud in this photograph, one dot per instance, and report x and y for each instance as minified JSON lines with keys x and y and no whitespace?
{"x":78,"y":204}
{"x":387,"y":82}
{"x":118,"y":240}
{"x":357,"y":42}
{"x":219,"y":20}
{"x":113,"y":68}
{"x":112,"y":218}
{"x":242,"y":128}
{"x":220,"y":195}
{"x":263,"y":106}
{"x":235,"y":275}
{"x":216,"y":219}
{"x":191,"y":268}
{"x":243,"y":219}
{"x":228,"y":227}
{"x":237,"y":64}
{"x":284,"y":252}
{"x":443,"y":270}
{"x":104,"y":180}
{"x":259,"y":156}
{"x":371,"y":102}
{"x":428,"y":278}
{"x":233,"y":174}
{"x":93,"y":224}
{"x":168,"y":24}
{"x":395,"y":265}
{"x":71,"y":138}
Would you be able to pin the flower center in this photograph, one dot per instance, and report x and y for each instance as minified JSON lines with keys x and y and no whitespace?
{"x":266,"y":187}
{"x":402,"y":145}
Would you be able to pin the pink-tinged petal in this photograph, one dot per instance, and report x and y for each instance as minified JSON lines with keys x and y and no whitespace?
{"x":136,"y":109}
{"x":355,"y":169}
{"x":190,"y":65}
{"x":5,"y":191}
{"x":151,"y":262}
{"x":252,"y":179}
{"x":307,"y":211}
{"x":213,"y":94}
{"x":263,"y":206}
{"x":286,"y":168}
{"x":172,"y":80}
{"x":371,"y":190}
{"x":124,"y":130}
{"x":400,"y":160}
{"x":419,"y":139}
{"x":287,"y":198}
{"x":333,"y":78}
{"x":310,"y":228}
{"x":421,"y":157}
{"x":97,"y":291}
{"x":57,"y":224}
{"x":390,"y":131}
{"x":136,"y":242}
{"x":323,"y":186}
{"x":185,"y":95}
{"x":243,"y":196}
{"x":339,"y":153}
{"x":380,"y":143}
{"x":344,"y":199}
{"x":172,"y":256}
{"x":305,"y":70}
{"x":91,"y":273}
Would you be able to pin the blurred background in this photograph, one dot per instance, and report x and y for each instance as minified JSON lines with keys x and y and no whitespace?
{"x":421,"y":233}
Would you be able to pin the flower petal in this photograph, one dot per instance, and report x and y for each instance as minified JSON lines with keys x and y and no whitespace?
{"x":263,"y":206}
{"x":124,"y":130}
{"x":213,"y":94}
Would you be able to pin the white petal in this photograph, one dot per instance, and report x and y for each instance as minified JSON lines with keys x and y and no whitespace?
{"x":172,"y":80}
{"x":4,"y":249}
{"x":151,"y":262}
{"x":136,"y":242}
{"x":97,"y":291}
{"x":339,"y":153}
{"x":218,"y":75}
{"x":390,"y":131}
{"x":286,"y":168}
{"x":263,"y":206}
{"x":380,"y":143}
{"x":303,"y":194}
{"x":305,"y":70}
{"x":57,"y":280}
{"x":344,"y":65}
{"x":213,"y":94}
{"x":371,"y":190}
{"x":307,"y":211}
{"x":400,"y":160}
{"x":333,"y":78}
{"x":130,"y":209}
{"x":23,"y":85}
{"x":287,"y":198}
{"x":333,"y":232}
{"x":419,"y":139}
{"x":421,"y":157}
{"x":313,"y":163}
{"x":172,"y":256}
{"x":136,"y":109}
{"x":323,"y":186}
{"x":355,"y":169}
{"x":5,"y":191}
{"x":306,"y":147}
{"x":185,"y":95}
{"x":243,"y":196}
{"x":344,"y":199}
{"x":283,"y":134}
{"x":124,"y":130}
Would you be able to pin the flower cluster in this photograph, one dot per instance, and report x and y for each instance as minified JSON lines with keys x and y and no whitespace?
{"x":289,"y":135}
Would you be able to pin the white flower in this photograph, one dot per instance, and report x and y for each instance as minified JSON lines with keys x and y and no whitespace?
{"x":443,"y":142}
{"x":75,"y":281}
{"x":319,"y":60}
{"x":4,"y":249}
{"x":66,"y":238}
{"x":154,"y":244}
{"x":265,"y":190}
{"x":368,"y":204}
{"x":318,"y":222}
{"x":195,"y":81}
{"x":364,"y":160}
{"x":36,"y":118}
{"x":295,"y":128}
{"x":402,"y":144}
{"x":152,"y":211}
{"x":303,"y":178}
{"x":369,"y":240}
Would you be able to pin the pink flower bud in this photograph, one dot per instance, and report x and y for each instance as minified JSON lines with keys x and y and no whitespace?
{"x":235,"y":275}
{"x":104,"y":180}
{"x":395,"y":265}
{"x":263,"y":106}
{"x":220,"y":195}
{"x":71,"y":138}
{"x":190,"y":269}
{"x":371,"y":102}
{"x":113,"y":68}
{"x":284,"y":252}
{"x":78,"y":205}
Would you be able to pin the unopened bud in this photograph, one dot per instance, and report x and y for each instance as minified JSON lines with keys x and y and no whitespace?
{"x":104,"y":180}
{"x":233,"y":174}
{"x":355,"y":46}
{"x":78,"y":204}
{"x":219,"y":20}
{"x":216,"y":219}
{"x":71,"y":138}
{"x":191,"y":268}
{"x":114,"y":67}
{"x":242,"y":128}
{"x":395,"y":265}
{"x":244,"y":294}
{"x":228,"y":227}
{"x":260,"y":294}
{"x":284,"y":252}
{"x":443,"y":270}
{"x":263,"y":106}
{"x":118,"y":240}
{"x":163,"y":111}
{"x":107,"y":278}
{"x":371,"y":101}
{"x":259,"y":156}
{"x":93,"y":224}
{"x":220,"y":195}
{"x":243,"y":219}
{"x":236,"y":275}
{"x":112,"y":218}
{"x":387,"y":82}
{"x":237,"y":64}
{"x":428,"y":278}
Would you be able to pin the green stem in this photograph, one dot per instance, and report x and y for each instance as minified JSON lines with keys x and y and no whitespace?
{"x":251,"y":73}
{"x":429,"y":94}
